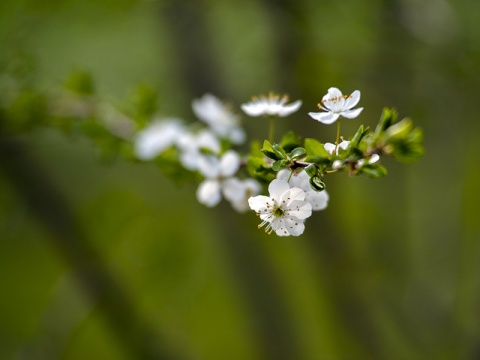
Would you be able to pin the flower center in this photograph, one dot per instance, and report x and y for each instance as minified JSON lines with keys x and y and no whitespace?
{"x":278,"y":211}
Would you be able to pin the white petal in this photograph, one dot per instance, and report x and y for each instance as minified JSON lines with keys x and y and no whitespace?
{"x":258,"y":203}
{"x":237,"y":135}
{"x":350,"y":114}
{"x":208,"y":165}
{"x":277,"y":188}
{"x":333,"y":92}
{"x":299,"y":209}
{"x":253,"y":109}
{"x":295,"y":193}
{"x":157,"y":137}
{"x":329,"y":147}
{"x":352,"y":100}
{"x":283,"y":174}
{"x":208,"y":193}
{"x":234,"y":189}
{"x":229,"y":163}
{"x":344,"y":144}
{"x":318,"y":200}
{"x":290,"y":108}
{"x":207,"y":140}
{"x":280,"y":228}
{"x":294,"y":226}
{"x":326,"y":118}
{"x":374,"y":159}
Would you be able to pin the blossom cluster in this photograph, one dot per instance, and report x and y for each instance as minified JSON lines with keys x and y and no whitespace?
{"x":293,"y":170}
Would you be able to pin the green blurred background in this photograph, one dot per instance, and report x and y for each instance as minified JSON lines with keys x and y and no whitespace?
{"x":114,"y":261}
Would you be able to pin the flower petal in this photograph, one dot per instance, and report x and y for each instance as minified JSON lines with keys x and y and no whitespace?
{"x":258,"y":203}
{"x":374,"y":159}
{"x":233,"y":189}
{"x":208,"y":193}
{"x":329,"y":147}
{"x":326,"y":118}
{"x":229,"y":163}
{"x":351,"y":114}
{"x":294,"y":226}
{"x":352,"y":100}
{"x":277,"y":188}
{"x":290,"y":108}
{"x":299,"y":209}
{"x":253,"y":109}
{"x":318,"y":200}
{"x":334,"y":92}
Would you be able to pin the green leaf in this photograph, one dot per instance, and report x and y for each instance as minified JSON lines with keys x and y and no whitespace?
{"x":398,"y":132}
{"x":388,"y":118}
{"x":278,"y":165}
{"x":361,"y":132}
{"x":319,"y":160}
{"x":317,"y":183}
{"x":297,"y":152}
{"x":315,"y":148}
{"x":268,"y":150}
{"x":373,"y":171}
{"x":311,"y":170}
{"x":278,"y":150}
{"x":290,"y":141}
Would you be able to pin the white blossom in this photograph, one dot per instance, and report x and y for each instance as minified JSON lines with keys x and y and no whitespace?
{"x":332,"y":148}
{"x":284,"y":210}
{"x":194,"y":146}
{"x":335,"y":104}
{"x":237,"y":192}
{"x":373,"y":159}
{"x":318,"y":200}
{"x":217,"y":172}
{"x":272,"y":104}
{"x":219,"y":118}
{"x":157,"y":137}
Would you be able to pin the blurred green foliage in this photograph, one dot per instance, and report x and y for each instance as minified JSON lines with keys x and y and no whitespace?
{"x":112,"y":260}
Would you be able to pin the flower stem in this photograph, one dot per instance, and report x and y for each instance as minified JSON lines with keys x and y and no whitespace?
{"x":291,"y":173}
{"x":338,"y":136}
{"x":272,"y":129}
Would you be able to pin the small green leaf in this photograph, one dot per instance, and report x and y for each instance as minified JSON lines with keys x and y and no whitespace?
{"x":268,"y":150}
{"x":361,"y":132}
{"x":319,"y":160}
{"x":311,"y":170}
{"x":373,"y":171}
{"x":315,"y":148}
{"x":317,"y":183}
{"x":278,"y":150}
{"x":277,"y":165}
{"x":297,"y":152}
{"x":290,"y":141}
{"x":398,"y":132}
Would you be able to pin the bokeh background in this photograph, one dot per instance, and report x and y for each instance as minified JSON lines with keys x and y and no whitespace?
{"x":112,"y":260}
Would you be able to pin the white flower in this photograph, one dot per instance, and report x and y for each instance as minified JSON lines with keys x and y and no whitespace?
{"x":373,"y":159}
{"x":332,"y":148}
{"x":282,"y":211}
{"x":335,"y":104}
{"x":238,"y":191}
{"x":270,"y":105}
{"x":193,"y":147}
{"x":221,"y":120}
{"x":216,"y":171}
{"x":318,"y":200}
{"x":157,"y":137}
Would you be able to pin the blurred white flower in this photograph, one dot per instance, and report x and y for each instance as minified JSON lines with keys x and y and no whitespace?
{"x":216,"y":171}
{"x":271,"y":105}
{"x":157,"y":137}
{"x":218,"y":116}
{"x":335,"y":104}
{"x":318,"y":200}
{"x":238,"y":191}
{"x":332,"y":148}
{"x":284,"y":210}
{"x":373,"y":159}
{"x":195,"y":146}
